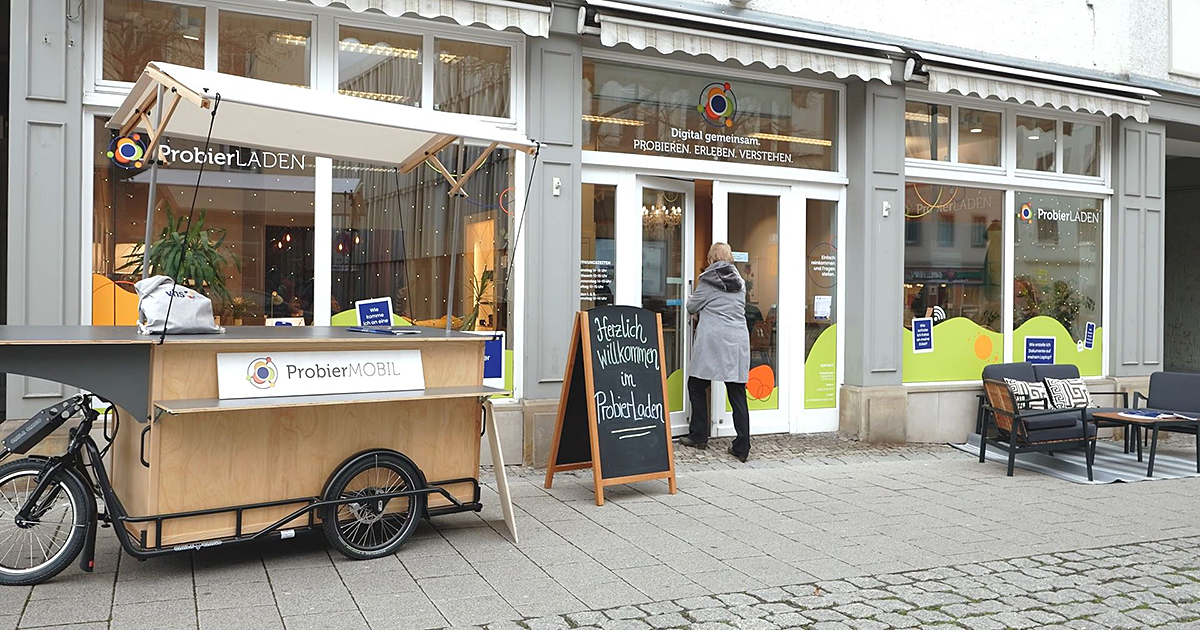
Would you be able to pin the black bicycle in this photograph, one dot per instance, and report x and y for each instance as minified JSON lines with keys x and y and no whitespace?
{"x":49,"y":513}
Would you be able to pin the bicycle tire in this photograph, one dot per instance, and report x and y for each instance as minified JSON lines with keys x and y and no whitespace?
{"x":77,"y":500}
{"x":349,"y":527}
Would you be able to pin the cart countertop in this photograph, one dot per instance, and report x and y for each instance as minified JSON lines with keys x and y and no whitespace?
{"x":128,"y":335}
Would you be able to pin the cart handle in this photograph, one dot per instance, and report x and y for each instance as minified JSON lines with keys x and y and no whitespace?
{"x":142,"y":447}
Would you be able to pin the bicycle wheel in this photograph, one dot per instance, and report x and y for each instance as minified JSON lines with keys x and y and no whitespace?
{"x":53,"y":537}
{"x":372,"y":528}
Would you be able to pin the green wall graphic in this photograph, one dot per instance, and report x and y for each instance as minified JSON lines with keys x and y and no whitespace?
{"x":1066,"y":349}
{"x":820,"y":371}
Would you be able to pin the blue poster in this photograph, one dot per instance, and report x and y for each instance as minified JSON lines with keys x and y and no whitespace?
{"x":1089,"y":335}
{"x":922,"y":331}
{"x":376,"y":312}
{"x":1039,"y":350}
{"x":493,"y":358}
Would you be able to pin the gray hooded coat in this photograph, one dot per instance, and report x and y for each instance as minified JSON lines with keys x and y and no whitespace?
{"x":721,"y":348}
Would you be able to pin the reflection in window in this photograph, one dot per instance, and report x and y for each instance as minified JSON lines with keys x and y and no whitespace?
{"x":1060,"y":277}
{"x":1036,"y":140}
{"x":379,"y":65}
{"x":137,"y":32}
{"x":263,"y":47}
{"x":471,"y":78}
{"x":598,"y":246}
{"x":632,"y":109}
{"x":927,"y":131}
{"x":256,"y":209}
{"x":960,"y":277}
{"x":1081,"y":149}
{"x":978,"y":137}
{"x":393,"y":236}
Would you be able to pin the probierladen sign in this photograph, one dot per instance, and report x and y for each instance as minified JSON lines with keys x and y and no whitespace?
{"x":255,"y":375}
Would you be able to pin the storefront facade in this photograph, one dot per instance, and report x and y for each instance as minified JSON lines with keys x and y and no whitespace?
{"x":901,"y":220}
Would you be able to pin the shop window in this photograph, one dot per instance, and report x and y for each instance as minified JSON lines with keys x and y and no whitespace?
{"x":1036,"y":141}
{"x":956,"y":283}
{"x":472,"y":78}
{"x":379,"y":65}
{"x":395,"y":236}
{"x":255,"y":208}
{"x":1081,"y":149}
{"x":264,"y":47}
{"x":598,"y":246}
{"x":979,"y":137}
{"x":912,"y":233}
{"x":927,"y":131}
{"x":137,"y":32}
{"x":1058,"y":283}
{"x":669,"y":113}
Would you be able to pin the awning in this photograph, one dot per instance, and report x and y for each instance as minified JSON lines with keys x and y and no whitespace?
{"x":987,"y":80}
{"x":531,"y":18}
{"x":254,"y":113}
{"x":670,"y":31}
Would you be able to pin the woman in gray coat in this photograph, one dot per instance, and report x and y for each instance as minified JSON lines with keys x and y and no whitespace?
{"x":720,"y":350}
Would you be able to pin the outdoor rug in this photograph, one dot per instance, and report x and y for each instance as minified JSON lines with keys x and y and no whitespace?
{"x":1112,"y":463}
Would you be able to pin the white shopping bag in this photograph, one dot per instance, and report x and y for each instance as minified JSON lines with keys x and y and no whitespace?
{"x":191,"y":312}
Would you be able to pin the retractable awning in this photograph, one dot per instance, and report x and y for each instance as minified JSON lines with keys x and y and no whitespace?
{"x":255,"y":113}
{"x":668,"y":31}
{"x":1044,"y":89}
{"x":531,"y":18}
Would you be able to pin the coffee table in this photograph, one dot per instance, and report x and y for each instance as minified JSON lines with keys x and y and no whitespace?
{"x":1114,"y":418}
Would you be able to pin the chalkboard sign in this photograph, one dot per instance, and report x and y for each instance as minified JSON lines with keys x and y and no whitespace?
{"x":612,"y":414}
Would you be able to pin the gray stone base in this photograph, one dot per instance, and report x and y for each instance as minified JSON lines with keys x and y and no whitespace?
{"x":874,"y":414}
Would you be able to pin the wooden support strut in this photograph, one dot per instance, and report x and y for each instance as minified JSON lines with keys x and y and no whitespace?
{"x":462,"y":179}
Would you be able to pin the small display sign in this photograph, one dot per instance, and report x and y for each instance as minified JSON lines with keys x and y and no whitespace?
{"x":1039,"y":350}
{"x":375,"y":312}
{"x":1089,"y":336}
{"x":741,"y":257}
{"x":922,"y":333}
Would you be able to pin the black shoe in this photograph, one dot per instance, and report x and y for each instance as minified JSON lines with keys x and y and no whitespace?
{"x":741,"y":458}
{"x":687,"y":441}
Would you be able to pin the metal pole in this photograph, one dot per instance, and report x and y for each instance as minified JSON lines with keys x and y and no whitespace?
{"x":455,"y":207}
{"x":151,"y":197}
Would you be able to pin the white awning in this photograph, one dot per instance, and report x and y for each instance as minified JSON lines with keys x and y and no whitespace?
{"x":531,"y":19}
{"x":254,"y":113}
{"x":1043,"y":89}
{"x":723,"y":46}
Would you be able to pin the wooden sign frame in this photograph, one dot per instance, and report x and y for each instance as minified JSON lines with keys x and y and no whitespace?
{"x":580,"y":334}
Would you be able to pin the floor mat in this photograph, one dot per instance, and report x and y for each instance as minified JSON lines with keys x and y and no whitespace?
{"x":1112,"y":464}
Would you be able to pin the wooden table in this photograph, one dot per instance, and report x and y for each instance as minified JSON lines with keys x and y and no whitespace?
{"x":181,"y":448}
{"x":1113,"y":418}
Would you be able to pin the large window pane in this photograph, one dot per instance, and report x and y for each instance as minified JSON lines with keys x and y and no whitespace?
{"x":979,"y":137}
{"x":472,"y":78}
{"x":820,"y":308}
{"x":137,"y":32}
{"x":754,"y":238}
{"x":954,"y":279}
{"x":264,"y":47}
{"x":394,"y":236}
{"x":632,"y":109}
{"x":1036,"y":140}
{"x":1081,"y":149}
{"x":927,"y":131}
{"x":1058,"y":281}
{"x":256,"y":208}
{"x":662,"y":267}
{"x":598,"y":246}
{"x":379,"y":65}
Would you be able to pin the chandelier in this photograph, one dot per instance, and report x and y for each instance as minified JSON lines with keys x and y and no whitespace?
{"x":661,"y":216}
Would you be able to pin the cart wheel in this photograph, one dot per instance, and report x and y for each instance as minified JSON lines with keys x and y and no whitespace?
{"x":368,"y":529}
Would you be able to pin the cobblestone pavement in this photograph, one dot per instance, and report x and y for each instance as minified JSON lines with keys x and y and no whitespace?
{"x":826,"y":533}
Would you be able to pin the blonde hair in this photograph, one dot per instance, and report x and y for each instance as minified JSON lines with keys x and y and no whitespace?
{"x":720,"y":252}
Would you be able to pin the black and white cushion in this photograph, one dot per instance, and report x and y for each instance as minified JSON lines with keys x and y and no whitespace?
{"x":1069,"y":393}
{"x":1028,"y":395}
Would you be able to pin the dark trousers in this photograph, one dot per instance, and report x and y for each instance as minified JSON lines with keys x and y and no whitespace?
{"x":699,"y":427}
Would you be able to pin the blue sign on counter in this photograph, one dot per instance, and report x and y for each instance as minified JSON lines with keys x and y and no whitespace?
{"x":493,"y":358}
{"x":922,"y":331}
{"x":1089,"y":335}
{"x":1039,"y":350}
{"x":376,"y":312}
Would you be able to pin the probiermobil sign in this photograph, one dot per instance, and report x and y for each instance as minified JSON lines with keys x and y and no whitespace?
{"x":262,"y":375}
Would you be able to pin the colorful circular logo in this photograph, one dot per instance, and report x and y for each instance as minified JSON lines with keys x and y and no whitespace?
{"x":262,"y":373}
{"x":717,"y":104}
{"x":1025,"y":213}
{"x":128,"y":152}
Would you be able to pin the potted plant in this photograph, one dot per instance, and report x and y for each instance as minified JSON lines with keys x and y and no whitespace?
{"x":238,"y":307}
{"x":201,"y":250}
{"x":478,"y":291}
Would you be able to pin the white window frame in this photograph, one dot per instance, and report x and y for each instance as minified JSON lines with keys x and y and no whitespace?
{"x":710,"y":169}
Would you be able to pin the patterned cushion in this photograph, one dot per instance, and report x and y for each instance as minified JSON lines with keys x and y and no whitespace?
{"x":1068,"y":393}
{"x":1028,"y":395}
